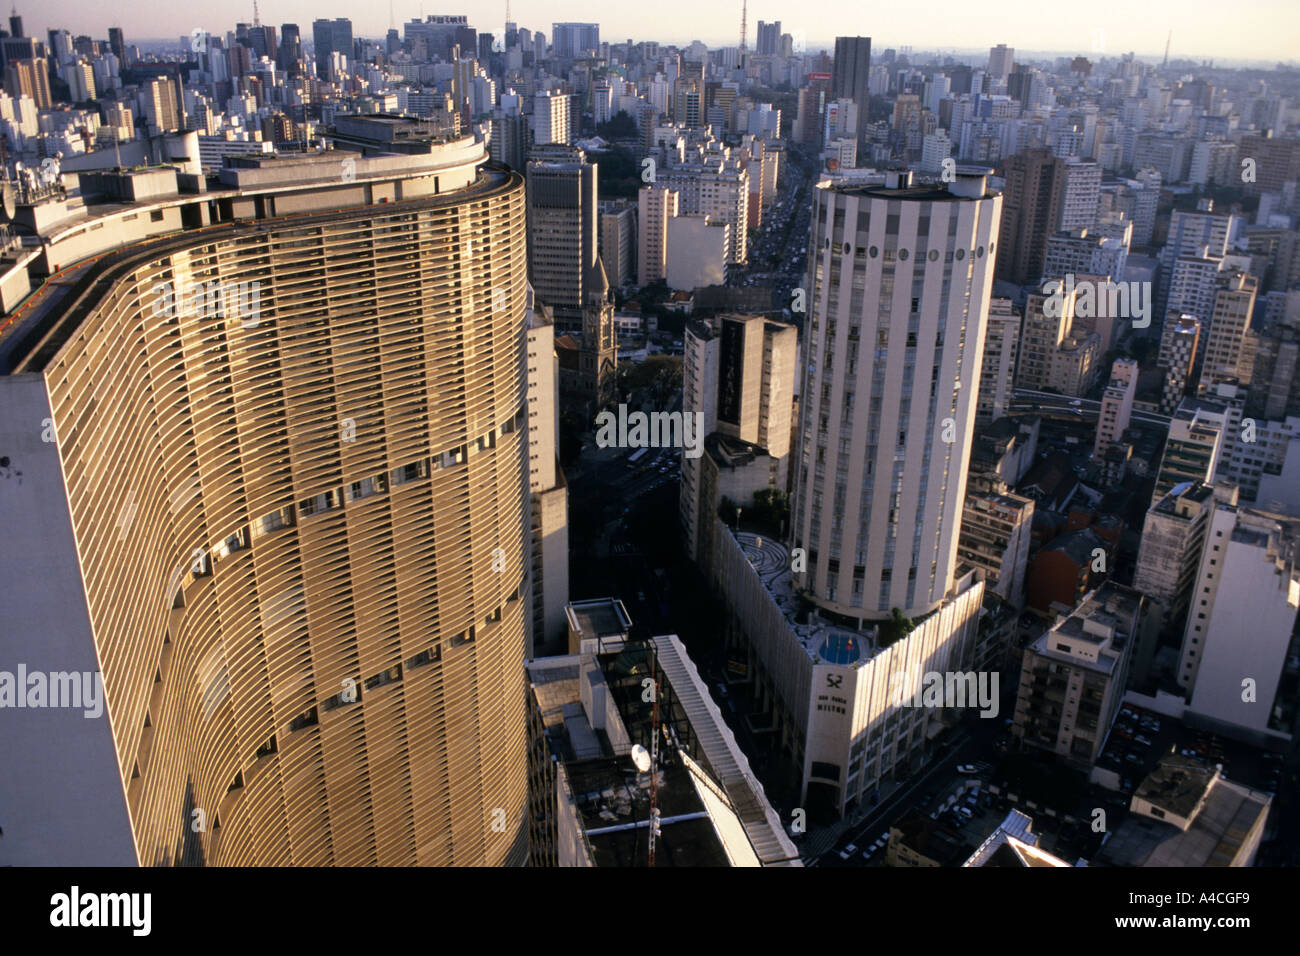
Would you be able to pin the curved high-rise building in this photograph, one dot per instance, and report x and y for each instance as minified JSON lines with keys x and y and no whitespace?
{"x":265,"y":492}
{"x":901,"y":277}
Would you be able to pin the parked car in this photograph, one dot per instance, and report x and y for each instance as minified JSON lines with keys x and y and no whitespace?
{"x":848,"y":851}
{"x":965,"y":768}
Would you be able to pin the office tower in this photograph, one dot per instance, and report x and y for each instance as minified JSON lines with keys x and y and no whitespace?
{"x":546,"y":485}
{"x":718,"y":187}
{"x":289,"y":56}
{"x":1241,"y":624}
{"x":1195,"y":443}
{"x":16,"y":25}
{"x":1054,"y":354}
{"x":587,"y":711}
{"x":1173,"y":536}
{"x":328,"y":37}
{"x":1277,"y":162}
{"x":1226,"y":358}
{"x":1001,"y":62}
{"x":509,"y":143}
{"x":1079,"y":252}
{"x":891,"y":368}
{"x":159,"y":105}
{"x":562,"y":233}
{"x":1116,"y":405}
{"x":769,"y":38}
{"x":935,"y":148}
{"x":551,"y":118}
{"x":617,"y":236}
{"x":29,"y":78}
{"x":1177,"y":357}
{"x":261,"y":40}
{"x":995,"y":537}
{"x":1073,"y":677}
{"x":738,"y":373}
{"x":572,"y":40}
{"x":1201,"y":234}
{"x":436,"y":37}
{"x":656,"y":205}
{"x":842,"y":121}
{"x":1275,"y":379}
{"x":850,"y":75}
{"x":1081,"y":194}
{"x":80,"y":77}
{"x":813,"y":98}
{"x":117,"y":44}
{"x":306,"y":508}
{"x":1031,"y":212}
{"x":998,"y":371}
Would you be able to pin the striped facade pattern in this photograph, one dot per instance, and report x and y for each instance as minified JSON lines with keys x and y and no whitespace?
{"x":304,"y":535}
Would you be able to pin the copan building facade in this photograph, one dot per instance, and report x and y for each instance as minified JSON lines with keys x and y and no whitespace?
{"x":291,"y":535}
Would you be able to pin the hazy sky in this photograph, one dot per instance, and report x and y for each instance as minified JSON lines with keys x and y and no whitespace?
{"x":1251,"y":29}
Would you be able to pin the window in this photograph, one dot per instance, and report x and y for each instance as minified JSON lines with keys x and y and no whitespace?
{"x":306,"y":719}
{"x":425,"y":657}
{"x":390,"y":676}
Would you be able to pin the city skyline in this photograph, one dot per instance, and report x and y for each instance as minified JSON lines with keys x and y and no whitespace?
{"x":1195,"y":35}
{"x":453,"y":446}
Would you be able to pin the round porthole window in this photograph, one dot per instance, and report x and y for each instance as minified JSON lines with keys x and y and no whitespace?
{"x":903,"y":254}
{"x":990,"y":248}
{"x":934,"y":255}
{"x":847,"y":248}
{"x":873,"y":252}
{"x":827,"y":243}
{"x":979,"y":253}
{"x":961,"y":254}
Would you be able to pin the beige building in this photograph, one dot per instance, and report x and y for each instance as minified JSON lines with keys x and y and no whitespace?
{"x":283,"y":523}
{"x":656,"y":206}
{"x":547,"y":487}
{"x":1116,"y":405}
{"x":1052,"y":353}
{"x":1073,"y":677}
{"x":995,"y":537}
{"x":1001,"y":349}
{"x":1227,"y":357}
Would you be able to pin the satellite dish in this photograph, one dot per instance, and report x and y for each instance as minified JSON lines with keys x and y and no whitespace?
{"x":641,"y":757}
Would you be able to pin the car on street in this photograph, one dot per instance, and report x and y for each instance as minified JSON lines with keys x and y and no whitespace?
{"x":848,"y":851}
{"x":965,"y":768}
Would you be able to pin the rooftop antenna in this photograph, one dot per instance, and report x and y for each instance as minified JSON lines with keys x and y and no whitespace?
{"x":1167,"y":39}
{"x":744,"y":21}
{"x":257,"y":21}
